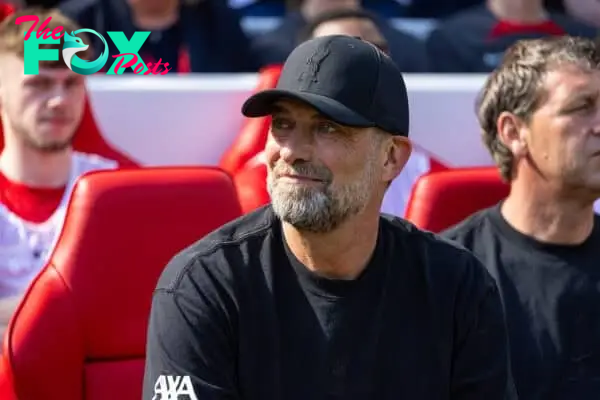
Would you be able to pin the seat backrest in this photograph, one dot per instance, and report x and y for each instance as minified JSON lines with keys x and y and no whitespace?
{"x":80,"y":331}
{"x":253,"y":136}
{"x":442,"y":199}
{"x":251,"y":185}
{"x":89,"y":139}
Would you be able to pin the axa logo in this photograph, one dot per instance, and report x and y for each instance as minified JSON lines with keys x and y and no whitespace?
{"x":169,"y":387}
{"x":128,"y":56}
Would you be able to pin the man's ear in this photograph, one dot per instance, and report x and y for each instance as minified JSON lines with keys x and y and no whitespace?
{"x":511,"y":133}
{"x":397,"y":153}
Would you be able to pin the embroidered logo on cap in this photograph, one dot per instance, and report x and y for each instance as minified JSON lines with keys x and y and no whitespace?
{"x":313,"y":64}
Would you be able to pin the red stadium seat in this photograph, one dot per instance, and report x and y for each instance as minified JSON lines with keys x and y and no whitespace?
{"x":436,"y":166}
{"x":80,"y":332}
{"x":442,"y":199}
{"x":253,"y":135}
{"x":89,"y":139}
{"x":252,"y":188}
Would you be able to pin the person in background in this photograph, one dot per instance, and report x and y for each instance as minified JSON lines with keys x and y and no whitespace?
{"x":389,"y":8}
{"x":474,"y":40}
{"x":540,"y":118}
{"x":434,"y":8}
{"x":276,"y":45}
{"x":408,"y":53}
{"x":38,"y":166}
{"x":360,"y":23}
{"x":346,"y":21}
{"x":191,"y":35}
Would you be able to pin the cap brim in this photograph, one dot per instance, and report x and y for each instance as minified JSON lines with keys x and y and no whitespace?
{"x":261,"y":104}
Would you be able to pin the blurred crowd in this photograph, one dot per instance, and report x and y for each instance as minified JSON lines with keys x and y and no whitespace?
{"x":445,"y":36}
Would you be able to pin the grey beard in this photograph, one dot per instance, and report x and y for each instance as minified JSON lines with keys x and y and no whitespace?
{"x":315,"y":210}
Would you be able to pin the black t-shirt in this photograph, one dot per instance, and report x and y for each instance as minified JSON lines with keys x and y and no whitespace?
{"x":237,"y":316}
{"x":551,"y":295}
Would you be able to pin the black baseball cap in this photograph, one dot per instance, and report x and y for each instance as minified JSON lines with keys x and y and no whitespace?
{"x":346,"y":79}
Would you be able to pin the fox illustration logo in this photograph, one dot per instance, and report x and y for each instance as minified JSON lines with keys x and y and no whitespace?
{"x":74,"y":45}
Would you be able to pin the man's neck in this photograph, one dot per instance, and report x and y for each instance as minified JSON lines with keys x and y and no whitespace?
{"x":518,"y":11}
{"x":36,"y":169}
{"x":156,"y":19}
{"x":547,"y":217}
{"x":341,"y":254}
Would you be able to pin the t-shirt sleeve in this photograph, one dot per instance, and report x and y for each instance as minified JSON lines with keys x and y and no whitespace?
{"x":481,"y":368}
{"x":189,"y":344}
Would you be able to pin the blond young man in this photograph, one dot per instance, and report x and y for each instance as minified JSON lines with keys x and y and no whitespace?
{"x":38,"y":167}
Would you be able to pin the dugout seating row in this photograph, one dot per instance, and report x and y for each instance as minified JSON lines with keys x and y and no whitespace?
{"x":80,"y":331}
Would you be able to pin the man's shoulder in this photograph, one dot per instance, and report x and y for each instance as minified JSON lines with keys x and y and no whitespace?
{"x":216,"y":252}
{"x":470,"y":228}
{"x":434,"y":249}
{"x":250,"y":227}
{"x":446,"y":263}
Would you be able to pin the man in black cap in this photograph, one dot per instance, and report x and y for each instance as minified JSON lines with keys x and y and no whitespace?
{"x":317,"y":296}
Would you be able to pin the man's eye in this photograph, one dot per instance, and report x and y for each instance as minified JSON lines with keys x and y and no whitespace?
{"x":582,"y":106}
{"x":326,"y":127}
{"x":280,"y":123}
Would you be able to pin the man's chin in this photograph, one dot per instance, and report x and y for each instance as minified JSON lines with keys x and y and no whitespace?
{"x":51,"y":146}
{"x":51,"y":140}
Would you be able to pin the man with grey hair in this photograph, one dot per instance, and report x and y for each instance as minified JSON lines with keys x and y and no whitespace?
{"x":540,"y":118}
{"x":317,"y":295}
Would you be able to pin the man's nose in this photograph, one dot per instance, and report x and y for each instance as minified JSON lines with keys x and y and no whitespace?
{"x":296,"y":147}
{"x":57,"y":97}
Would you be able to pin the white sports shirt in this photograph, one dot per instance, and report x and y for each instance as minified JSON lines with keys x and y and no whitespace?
{"x":25,"y":246}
